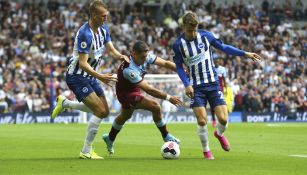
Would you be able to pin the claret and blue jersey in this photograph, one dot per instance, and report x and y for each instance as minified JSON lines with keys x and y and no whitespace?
{"x":93,"y":44}
{"x":130,"y":74}
{"x":197,"y":56}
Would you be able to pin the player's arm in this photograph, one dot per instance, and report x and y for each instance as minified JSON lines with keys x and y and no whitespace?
{"x":233,"y":50}
{"x":189,"y":91}
{"x":149,"y":89}
{"x":114,"y":52}
{"x":166,"y":64}
{"x":83,"y":64}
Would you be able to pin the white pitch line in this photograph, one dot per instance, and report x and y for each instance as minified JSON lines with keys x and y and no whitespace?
{"x":302,"y":156}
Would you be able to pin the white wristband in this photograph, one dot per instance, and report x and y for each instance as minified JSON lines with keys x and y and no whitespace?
{"x":168,"y":97}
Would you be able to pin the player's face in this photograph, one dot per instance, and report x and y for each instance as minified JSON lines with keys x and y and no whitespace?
{"x":140,"y":58}
{"x":101,"y":16}
{"x":190,"y":31}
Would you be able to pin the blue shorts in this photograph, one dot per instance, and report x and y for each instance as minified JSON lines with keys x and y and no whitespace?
{"x":201,"y":96}
{"x":82,"y":86}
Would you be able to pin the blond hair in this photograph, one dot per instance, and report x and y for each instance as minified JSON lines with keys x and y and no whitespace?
{"x":190,"y":18}
{"x":95,"y":4}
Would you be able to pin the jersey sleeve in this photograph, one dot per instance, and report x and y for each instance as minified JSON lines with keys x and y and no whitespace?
{"x":108,"y":36}
{"x":179,"y":68}
{"x":84,"y":42}
{"x":151,"y":58}
{"x":132,"y":75}
{"x":217,"y":43}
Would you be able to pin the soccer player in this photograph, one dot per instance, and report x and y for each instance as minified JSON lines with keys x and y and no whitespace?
{"x":221,"y":73}
{"x":193,"y":48}
{"x":91,"y":40}
{"x":128,"y":90}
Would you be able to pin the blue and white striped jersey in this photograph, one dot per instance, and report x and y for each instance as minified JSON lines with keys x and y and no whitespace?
{"x":197,"y":56}
{"x":93,"y":44}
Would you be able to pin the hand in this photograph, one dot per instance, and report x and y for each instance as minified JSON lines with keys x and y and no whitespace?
{"x":189,"y":91}
{"x":124,"y":57}
{"x":176,"y":101}
{"x":253,"y":56}
{"x":107,"y":79}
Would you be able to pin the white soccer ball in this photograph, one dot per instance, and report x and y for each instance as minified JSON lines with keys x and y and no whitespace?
{"x":170,"y":150}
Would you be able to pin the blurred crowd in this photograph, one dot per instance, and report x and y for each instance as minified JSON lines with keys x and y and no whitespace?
{"x":37,"y":38}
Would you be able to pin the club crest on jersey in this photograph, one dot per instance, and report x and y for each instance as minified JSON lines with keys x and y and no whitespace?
{"x":85,"y":89}
{"x":83,"y":45}
{"x":201,"y":45}
{"x":132,"y":75}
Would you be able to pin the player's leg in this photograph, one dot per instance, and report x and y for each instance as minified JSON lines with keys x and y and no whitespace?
{"x":198,"y":104}
{"x":100,"y":111}
{"x":118,"y":123}
{"x":63,"y":103}
{"x":97,"y":103}
{"x":202,"y":130}
{"x":155,"y":108}
{"x":217,"y":102}
{"x":213,"y":118}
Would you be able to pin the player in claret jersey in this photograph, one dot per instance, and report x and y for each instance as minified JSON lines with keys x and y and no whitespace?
{"x":128,"y":90}
{"x":221,"y":74}
{"x":193,"y":48}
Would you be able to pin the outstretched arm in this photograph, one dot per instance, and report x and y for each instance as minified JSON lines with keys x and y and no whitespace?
{"x":166,"y":64}
{"x":105,"y":78}
{"x":158,"y":94}
{"x":234,"y":51}
{"x":114,"y":53}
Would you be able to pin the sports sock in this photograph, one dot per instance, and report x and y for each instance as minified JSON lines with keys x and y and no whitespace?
{"x":162,"y":127}
{"x":221,"y":128}
{"x":76,"y":105}
{"x":92,"y":130}
{"x":114,"y":130}
{"x":202,"y":132}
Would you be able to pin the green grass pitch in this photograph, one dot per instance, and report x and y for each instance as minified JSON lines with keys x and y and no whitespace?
{"x":54,"y":149}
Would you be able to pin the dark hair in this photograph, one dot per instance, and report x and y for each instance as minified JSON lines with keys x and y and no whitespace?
{"x":95,"y":4}
{"x":140,"y":46}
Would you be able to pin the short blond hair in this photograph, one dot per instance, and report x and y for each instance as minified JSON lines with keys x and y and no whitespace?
{"x":95,"y":4}
{"x":190,"y":18}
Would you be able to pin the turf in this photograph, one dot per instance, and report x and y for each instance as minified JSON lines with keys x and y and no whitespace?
{"x":54,"y":149}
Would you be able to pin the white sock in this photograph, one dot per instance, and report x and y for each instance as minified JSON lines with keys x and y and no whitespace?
{"x":76,"y":105}
{"x":92,"y":130}
{"x":221,"y":128}
{"x":202,"y":132}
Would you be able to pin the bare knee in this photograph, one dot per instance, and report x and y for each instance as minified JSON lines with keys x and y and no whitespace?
{"x":223,"y":119}
{"x":155,"y":107}
{"x":102,"y":112}
{"x":202,"y":122}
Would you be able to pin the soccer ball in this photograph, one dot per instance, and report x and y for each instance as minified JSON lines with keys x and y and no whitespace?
{"x":170,"y":150}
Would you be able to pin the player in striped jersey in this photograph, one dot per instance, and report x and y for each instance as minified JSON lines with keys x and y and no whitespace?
{"x":193,"y":49}
{"x":91,"y":40}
